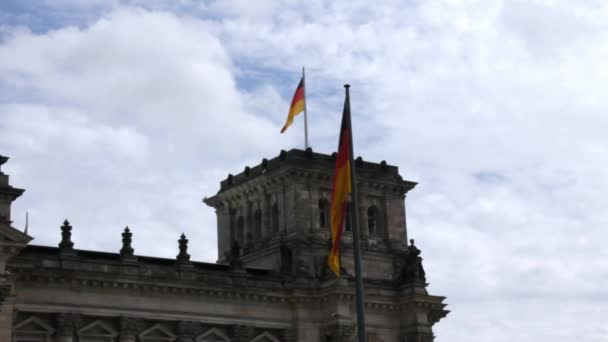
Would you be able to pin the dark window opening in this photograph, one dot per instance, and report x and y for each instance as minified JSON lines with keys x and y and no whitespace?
{"x":257,"y":224}
{"x":240,"y":230}
{"x":372,"y":220}
{"x":323,"y":213}
{"x":275,"y":218}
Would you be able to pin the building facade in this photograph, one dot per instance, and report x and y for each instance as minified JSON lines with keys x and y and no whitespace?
{"x":270,"y":283}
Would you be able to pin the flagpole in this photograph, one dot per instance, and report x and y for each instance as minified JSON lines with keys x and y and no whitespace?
{"x":354,"y":216}
{"x":305,"y":112}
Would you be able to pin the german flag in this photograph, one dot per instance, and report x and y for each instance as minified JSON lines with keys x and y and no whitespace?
{"x":340,"y":190}
{"x":297,"y":105}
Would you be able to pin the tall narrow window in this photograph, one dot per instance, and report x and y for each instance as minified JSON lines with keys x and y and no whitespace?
{"x":347,"y":218}
{"x":240,"y":230}
{"x":275,"y":218}
{"x":372,"y":220}
{"x":323,"y":213}
{"x":257,"y":224}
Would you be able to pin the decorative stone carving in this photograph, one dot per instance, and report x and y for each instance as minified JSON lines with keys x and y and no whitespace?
{"x":338,"y":331}
{"x":183,"y":258}
{"x":265,"y":337}
{"x":34,"y":327}
{"x":97,"y":329}
{"x":157,"y":332}
{"x":66,"y":246}
{"x":126,"y":249}
{"x":213,"y":335}
{"x":411,"y":270}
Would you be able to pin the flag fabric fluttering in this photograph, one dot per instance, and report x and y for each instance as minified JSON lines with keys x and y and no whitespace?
{"x":298,"y":105}
{"x":341,"y":189}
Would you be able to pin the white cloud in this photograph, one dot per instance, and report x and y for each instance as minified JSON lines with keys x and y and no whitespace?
{"x":125,"y":117}
{"x":495,"y":107}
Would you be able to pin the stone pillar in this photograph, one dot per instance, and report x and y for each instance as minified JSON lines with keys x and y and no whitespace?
{"x":185,"y":331}
{"x":282,"y":202}
{"x":404,"y":221}
{"x":266,"y":216}
{"x":128,"y":329}
{"x":65,"y":327}
{"x":243,"y":333}
{"x":224,"y":231}
{"x":6,"y":318}
{"x":301,"y":208}
{"x":248,"y":216}
{"x":395,"y":212}
{"x":364,"y":204}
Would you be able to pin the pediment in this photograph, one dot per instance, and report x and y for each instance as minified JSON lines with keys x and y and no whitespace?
{"x":265,"y":337}
{"x":158,"y":332}
{"x":213,"y":335}
{"x":34,"y":325}
{"x":97,"y":328}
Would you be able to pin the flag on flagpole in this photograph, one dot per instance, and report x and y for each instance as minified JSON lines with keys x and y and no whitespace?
{"x":341,"y":190}
{"x":298,"y":105}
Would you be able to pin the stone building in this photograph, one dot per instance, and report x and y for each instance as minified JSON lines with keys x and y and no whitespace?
{"x":270,"y":282}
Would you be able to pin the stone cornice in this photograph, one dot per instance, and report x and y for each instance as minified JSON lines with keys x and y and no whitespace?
{"x":264,"y":184}
{"x":304,"y":166}
{"x":335,"y":290}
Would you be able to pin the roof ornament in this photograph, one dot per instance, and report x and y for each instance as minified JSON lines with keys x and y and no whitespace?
{"x":183,"y":256}
{"x":66,"y":243}
{"x":126,"y":249}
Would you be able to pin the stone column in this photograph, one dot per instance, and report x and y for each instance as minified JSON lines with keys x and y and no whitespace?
{"x":185,"y":331}
{"x":266,"y":216}
{"x":395,"y":212}
{"x":6,"y":318}
{"x":224,"y":232}
{"x":248,"y":215}
{"x":65,"y":324}
{"x":128,"y":329}
{"x":282,"y":203}
{"x":364,"y":204}
{"x":243,"y":333}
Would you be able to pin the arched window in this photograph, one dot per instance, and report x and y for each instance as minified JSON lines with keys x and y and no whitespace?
{"x":323,"y":213}
{"x":275,"y":218}
{"x":257,"y":224}
{"x":372,"y":220}
{"x":240,"y":230}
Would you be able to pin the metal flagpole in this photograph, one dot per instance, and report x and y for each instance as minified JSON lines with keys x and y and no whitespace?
{"x":305,"y":112}
{"x":354,"y":215}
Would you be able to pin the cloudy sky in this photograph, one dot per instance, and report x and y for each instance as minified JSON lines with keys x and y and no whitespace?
{"x":129,"y":113}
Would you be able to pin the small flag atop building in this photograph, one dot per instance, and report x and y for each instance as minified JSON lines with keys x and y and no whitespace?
{"x":298,"y":104}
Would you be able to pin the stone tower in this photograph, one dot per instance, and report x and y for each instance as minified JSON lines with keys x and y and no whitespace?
{"x":278,"y":213}
{"x":12,"y":241}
